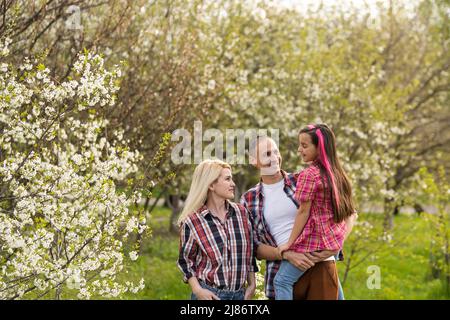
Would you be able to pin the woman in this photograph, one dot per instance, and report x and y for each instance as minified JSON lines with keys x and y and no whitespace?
{"x":216,"y":246}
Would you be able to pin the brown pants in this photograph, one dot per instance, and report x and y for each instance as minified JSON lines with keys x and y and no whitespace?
{"x":318,"y":283}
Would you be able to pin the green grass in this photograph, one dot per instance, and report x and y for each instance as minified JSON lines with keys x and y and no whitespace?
{"x":404,"y":266}
{"x":403,"y":263}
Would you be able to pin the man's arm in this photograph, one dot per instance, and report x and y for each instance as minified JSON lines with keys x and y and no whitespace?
{"x":350,"y":222}
{"x":300,"y":260}
{"x":266,"y":252}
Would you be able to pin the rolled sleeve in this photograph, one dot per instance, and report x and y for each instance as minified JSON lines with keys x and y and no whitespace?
{"x":306,"y":187}
{"x":187,"y":253}
{"x":255,"y":235}
{"x":253,"y":266}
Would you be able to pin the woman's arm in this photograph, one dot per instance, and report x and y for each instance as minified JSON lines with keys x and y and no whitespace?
{"x":187,"y":252}
{"x":251,"y":286}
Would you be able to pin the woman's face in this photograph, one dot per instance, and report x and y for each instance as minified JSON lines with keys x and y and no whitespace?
{"x":306,"y":149}
{"x":224,"y":186}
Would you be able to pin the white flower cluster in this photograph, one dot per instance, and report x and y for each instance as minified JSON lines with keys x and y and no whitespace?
{"x":4,"y":47}
{"x":61,"y":216}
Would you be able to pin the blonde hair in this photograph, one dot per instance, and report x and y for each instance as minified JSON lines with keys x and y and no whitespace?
{"x":206,"y":173}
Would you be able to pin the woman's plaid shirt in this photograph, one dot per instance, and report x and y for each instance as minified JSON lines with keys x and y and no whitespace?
{"x":221,"y":255}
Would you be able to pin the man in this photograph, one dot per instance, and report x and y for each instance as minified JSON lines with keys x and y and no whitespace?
{"x":272,"y":209}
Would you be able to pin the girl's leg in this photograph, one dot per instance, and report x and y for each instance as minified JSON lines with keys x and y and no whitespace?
{"x":340,"y":291}
{"x":284,"y":280}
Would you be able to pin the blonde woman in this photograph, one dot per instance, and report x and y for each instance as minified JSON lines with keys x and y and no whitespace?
{"x":216,"y":246}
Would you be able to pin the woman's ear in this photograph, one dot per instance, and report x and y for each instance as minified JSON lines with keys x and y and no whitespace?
{"x":211,"y":187}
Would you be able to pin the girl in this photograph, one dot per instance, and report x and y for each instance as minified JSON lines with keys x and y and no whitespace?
{"x":325,"y":196}
{"x":216,"y":245}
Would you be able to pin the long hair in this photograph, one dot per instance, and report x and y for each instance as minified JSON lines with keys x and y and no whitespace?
{"x":340,"y":187}
{"x":205,"y":174}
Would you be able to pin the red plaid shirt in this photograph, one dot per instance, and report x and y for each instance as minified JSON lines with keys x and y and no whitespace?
{"x":221,"y":255}
{"x":320,"y":231}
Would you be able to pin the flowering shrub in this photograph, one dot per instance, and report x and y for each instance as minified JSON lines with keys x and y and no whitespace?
{"x":62,"y":218}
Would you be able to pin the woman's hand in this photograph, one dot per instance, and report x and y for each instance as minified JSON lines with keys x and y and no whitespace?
{"x":250,"y":292}
{"x":205,"y":294}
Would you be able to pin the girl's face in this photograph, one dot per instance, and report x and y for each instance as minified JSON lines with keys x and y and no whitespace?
{"x":224,"y":186}
{"x":306,"y":149}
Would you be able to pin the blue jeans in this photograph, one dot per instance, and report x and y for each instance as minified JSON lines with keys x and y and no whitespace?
{"x":340,"y":291}
{"x":285,"y":279}
{"x":222,"y":294}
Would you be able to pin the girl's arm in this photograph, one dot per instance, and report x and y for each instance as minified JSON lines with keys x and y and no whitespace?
{"x":299,"y":224}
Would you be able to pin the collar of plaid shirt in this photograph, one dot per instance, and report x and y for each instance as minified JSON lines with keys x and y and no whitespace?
{"x":253,"y":200}
{"x":204,"y":209}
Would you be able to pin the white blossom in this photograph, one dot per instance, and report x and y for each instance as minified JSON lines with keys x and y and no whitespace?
{"x":65,"y":221}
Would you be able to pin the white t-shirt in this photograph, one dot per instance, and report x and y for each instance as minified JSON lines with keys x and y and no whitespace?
{"x":279,"y":212}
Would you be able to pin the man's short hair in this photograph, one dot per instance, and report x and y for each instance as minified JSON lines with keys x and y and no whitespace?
{"x":253,"y":143}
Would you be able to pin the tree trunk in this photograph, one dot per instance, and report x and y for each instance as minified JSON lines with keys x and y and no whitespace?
{"x":58,"y":292}
{"x":388,"y":222}
{"x":241,"y":187}
{"x":173,"y":202}
{"x":396,"y":210}
{"x":347,"y":270}
{"x":418,"y":208}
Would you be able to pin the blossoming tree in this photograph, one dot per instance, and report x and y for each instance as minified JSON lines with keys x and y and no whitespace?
{"x":63,"y":220}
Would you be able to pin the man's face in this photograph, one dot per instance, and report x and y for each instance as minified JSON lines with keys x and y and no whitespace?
{"x":268,"y":158}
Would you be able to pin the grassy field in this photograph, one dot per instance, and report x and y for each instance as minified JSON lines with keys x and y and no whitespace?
{"x":403,"y":263}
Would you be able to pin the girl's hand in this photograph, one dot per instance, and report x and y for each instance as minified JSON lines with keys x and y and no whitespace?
{"x":205,"y":294}
{"x":250,"y":292}
{"x":283,"y":247}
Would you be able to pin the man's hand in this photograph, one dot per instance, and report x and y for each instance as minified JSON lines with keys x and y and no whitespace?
{"x":299,"y":260}
{"x":320,"y":256}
